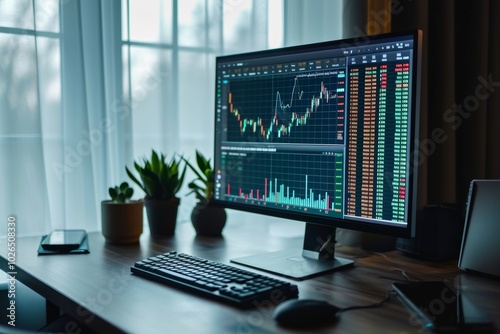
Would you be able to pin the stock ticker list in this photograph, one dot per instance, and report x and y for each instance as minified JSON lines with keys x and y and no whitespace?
{"x":377,"y":149}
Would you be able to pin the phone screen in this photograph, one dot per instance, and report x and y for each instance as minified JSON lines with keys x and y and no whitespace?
{"x":64,"y":239}
{"x":441,"y":308}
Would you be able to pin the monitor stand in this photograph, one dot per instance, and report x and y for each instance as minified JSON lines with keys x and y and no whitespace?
{"x":317,"y":257}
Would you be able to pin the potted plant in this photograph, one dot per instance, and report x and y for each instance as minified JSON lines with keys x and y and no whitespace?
{"x":121,"y":217}
{"x":160,"y":181}
{"x":207,"y":219}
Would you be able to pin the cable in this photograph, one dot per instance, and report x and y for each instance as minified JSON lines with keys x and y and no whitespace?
{"x":378,"y":304}
{"x":403,"y":271}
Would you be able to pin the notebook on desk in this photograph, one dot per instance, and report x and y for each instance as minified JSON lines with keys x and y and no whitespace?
{"x":480,"y":251}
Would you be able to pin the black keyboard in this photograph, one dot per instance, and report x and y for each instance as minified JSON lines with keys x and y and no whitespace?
{"x":235,"y":286}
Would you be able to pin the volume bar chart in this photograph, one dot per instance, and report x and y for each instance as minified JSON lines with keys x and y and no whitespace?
{"x":277,"y":193}
{"x":279,"y":180}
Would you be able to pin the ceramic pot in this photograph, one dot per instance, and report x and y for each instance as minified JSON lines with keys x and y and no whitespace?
{"x":122,"y":222}
{"x":162,"y":216}
{"x":208,"y":220}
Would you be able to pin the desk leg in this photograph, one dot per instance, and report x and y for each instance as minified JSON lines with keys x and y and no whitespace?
{"x":52,"y":312}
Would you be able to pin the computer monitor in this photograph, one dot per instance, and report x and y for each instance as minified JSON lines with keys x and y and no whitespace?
{"x":321,"y":133}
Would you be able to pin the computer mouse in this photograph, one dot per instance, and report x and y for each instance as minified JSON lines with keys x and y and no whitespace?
{"x":305,"y":313}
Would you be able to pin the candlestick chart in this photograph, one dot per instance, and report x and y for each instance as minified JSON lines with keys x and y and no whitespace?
{"x":290,"y":108}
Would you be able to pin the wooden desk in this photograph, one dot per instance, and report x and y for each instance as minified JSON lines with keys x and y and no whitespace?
{"x":120,"y":302}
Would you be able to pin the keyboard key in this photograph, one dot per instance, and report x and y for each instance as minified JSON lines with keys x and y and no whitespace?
{"x":174,"y":275}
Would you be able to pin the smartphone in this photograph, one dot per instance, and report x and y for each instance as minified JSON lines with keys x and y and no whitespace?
{"x":439,"y":308}
{"x":63,"y":240}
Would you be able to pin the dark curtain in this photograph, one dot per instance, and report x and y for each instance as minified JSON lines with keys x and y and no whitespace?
{"x":460,"y":104}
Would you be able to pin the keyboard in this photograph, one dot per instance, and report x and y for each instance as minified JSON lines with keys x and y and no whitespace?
{"x":225,"y":283}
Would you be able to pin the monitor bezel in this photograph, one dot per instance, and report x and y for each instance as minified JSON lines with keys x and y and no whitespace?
{"x":396,"y":230}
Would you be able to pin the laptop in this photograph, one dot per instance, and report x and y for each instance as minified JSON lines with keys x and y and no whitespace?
{"x":480,"y":251}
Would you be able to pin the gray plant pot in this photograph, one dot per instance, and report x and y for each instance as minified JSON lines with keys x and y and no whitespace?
{"x":208,"y":220}
{"x":162,"y":216}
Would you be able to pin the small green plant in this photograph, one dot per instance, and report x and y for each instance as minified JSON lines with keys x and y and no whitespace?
{"x":203,"y":185}
{"x":161,"y":180}
{"x":122,"y":193}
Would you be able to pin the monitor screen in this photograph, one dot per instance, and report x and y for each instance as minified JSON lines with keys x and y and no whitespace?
{"x":322,"y":133}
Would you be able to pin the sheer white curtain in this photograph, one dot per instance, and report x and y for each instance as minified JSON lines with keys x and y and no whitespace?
{"x":86,"y":87}
{"x":60,"y":133}
{"x":30,"y":112}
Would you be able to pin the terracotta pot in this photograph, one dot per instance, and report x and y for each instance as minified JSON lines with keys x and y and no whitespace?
{"x":122,"y":222}
{"x":208,"y":220}
{"x":162,"y":216}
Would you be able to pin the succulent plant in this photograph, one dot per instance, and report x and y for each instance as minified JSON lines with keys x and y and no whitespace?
{"x":161,"y":180}
{"x":203,"y":185}
{"x":122,"y":193}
